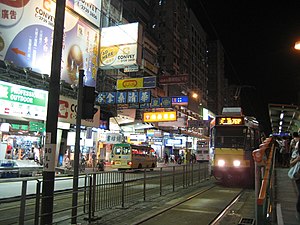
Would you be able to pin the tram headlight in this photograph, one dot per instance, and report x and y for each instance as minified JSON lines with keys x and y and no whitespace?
{"x":236,"y":163}
{"x":221,"y":162}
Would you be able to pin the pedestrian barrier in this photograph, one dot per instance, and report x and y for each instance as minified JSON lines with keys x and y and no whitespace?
{"x":264,"y":158}
{"x":97,"y":191}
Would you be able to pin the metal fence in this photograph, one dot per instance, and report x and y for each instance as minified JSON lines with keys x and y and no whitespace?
{"x":20,"y":201}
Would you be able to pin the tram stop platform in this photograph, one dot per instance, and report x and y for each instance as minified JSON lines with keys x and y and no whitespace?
{"x":285,"y":198}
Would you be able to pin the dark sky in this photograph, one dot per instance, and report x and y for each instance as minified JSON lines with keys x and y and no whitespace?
{"x":258,"y":39}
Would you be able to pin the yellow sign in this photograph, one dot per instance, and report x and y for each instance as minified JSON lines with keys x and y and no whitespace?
{"x":230,"y":121}
{"x":159,"y":116}
{"x":131,"y":83}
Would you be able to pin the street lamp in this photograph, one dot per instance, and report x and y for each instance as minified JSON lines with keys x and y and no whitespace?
{"x":297,"y":45}
{"x":194,"y":95}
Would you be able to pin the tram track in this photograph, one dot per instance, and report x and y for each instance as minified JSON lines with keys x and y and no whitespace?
{"x":199,"y":205}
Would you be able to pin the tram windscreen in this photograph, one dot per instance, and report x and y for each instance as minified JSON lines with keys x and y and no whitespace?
{"x":230,"y":137}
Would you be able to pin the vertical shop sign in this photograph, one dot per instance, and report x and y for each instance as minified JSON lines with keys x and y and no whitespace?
{"x":49,"y":159}
{"x":49,"y":154}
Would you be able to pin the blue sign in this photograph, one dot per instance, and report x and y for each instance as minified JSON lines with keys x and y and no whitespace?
{"x":133,"y":97}
{"x":149,"y":82}
{"x":101,"y":97}
{"x":121,"y":97}
{"x":180,"y":100}
{"x":166,"y":102}
{"x":155,"y":102}
{"x":145,"y":96}
{"x":144,"y":105}
{"x":110,"y":98}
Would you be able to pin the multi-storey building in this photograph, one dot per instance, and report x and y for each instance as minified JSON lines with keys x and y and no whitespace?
{"x":216,"y":81}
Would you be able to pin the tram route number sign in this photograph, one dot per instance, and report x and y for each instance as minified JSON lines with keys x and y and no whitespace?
{"x":49,"y":157}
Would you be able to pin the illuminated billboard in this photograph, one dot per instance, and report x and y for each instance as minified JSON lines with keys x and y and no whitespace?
{"x":91,"y":10}
{"x":136,"y":83}
{"x":159,"y":116}
{"x":119,"y":46}
{"x":27,"y":34}
{"x":16,"y":100}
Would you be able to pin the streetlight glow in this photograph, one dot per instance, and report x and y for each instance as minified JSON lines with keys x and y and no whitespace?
{"x":297,"y":45}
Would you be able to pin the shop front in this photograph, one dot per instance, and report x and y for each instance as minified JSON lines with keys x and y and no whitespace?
{"x":66,"y":135}
{"x":22,"y":121}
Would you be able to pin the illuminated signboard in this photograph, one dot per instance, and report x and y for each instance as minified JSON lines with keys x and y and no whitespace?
{"x":16,"y":100}
{"x":136,"y":83}
{"x":119,"y":46}
{"x":180,"y":100}
{"x":159,"y":116}
{"x":230,"y":121}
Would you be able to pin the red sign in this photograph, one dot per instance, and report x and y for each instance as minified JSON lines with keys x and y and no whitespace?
{"x":181,"y":79}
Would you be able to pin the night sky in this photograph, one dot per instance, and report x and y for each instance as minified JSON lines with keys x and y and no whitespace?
{"x":258,"y":38}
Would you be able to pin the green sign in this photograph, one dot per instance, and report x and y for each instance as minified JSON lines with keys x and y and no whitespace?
{"x":19,"y":126}
{"x":37,"y":126}
{"x":17,"y":93}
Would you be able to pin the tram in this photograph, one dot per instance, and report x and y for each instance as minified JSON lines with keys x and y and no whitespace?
{"x":233,"y":137}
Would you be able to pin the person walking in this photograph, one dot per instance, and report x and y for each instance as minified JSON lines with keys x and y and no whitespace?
{"x":166,"y":158}
{"x":294,"y":141}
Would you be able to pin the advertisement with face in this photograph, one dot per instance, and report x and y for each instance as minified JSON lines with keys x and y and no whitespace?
{"x":26,"y":36}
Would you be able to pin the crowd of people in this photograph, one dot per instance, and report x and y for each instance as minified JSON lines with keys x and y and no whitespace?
{"x":179,"y":159}
{"x":34,"y":153}
{"x":294,"y":157}
{"x":287,"y":155}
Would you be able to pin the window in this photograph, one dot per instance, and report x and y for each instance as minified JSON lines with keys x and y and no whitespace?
{"x":126,"y":151}
{"x":230,"y":137}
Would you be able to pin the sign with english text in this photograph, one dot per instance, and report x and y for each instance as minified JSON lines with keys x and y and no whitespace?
{"x":21,"y":101}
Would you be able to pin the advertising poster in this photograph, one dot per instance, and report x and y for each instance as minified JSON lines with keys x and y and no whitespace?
{"x":91,"y":10}
{"x":26,"y":35}
{"x":119,"y":46}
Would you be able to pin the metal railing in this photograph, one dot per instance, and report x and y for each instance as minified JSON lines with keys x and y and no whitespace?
{"x":96,"y":192}
{"x":264,"y":158}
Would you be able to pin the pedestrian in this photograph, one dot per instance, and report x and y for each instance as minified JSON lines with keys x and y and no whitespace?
{"x":94,"y":159}
{"x":294,"y":159}
{"x":286,"y":152}
{"x":166,"y":158}
{"x":279,"y":150}
{"x":295,"y":139}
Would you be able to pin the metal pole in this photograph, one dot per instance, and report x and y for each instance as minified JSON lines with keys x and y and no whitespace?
{"x":144,"y":184}
{"x":52,"y":115}
{"x":23,"y":202}
{"x":77,"y":147}
{"x":160,"y":181}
